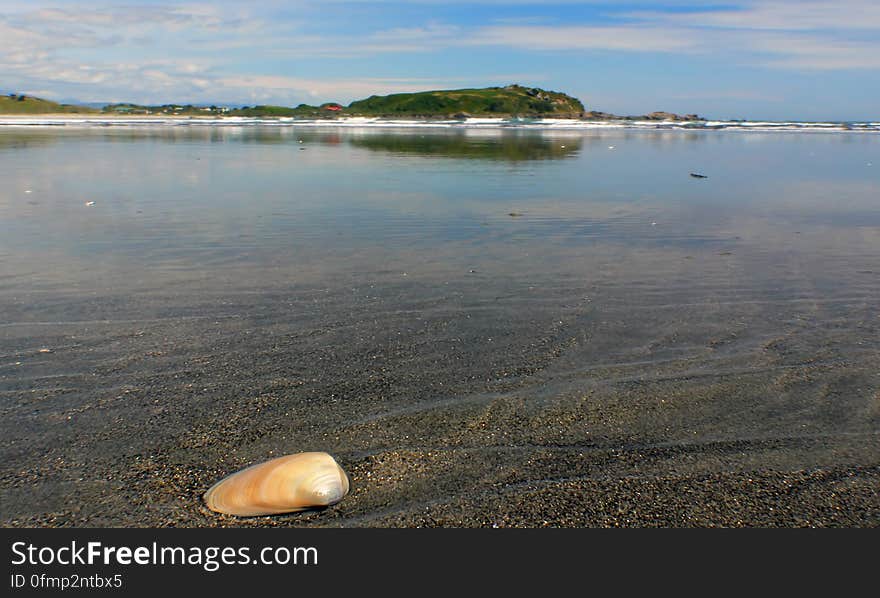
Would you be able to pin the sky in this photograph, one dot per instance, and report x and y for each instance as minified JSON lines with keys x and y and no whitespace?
{"x":749,"y":59}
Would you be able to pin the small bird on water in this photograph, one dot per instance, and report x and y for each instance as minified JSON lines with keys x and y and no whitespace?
{"x":698,"y":176}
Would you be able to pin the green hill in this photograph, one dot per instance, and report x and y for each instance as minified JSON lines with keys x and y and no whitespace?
{"x":303,"y":110}
{"x":513,"y":100}
{"x":21,"y":104}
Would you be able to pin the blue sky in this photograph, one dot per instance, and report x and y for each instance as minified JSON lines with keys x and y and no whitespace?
{"x":756,"y":59}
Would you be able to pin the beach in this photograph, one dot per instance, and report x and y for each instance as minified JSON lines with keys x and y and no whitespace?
{"x":430,"y":434}
{"x":511,"y":329}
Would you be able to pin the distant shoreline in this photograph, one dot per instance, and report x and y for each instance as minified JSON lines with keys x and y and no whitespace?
{"x":74,"y":116}
{"x":474,"y":122}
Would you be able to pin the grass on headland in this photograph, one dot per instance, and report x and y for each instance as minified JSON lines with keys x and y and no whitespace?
{"x":513,"y":100}
{"x":22,"y":104}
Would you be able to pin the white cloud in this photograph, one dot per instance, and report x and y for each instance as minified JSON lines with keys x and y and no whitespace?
{"x":803,"y":35}
{"x":93,"y":27}
{"x":115,"y":17}
{"x":63,"y":49}
{"x":816,"y":53}
{"x":193,"y":52}
{"x":637,"y":38}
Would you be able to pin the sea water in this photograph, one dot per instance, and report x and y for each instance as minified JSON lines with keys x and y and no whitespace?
{"x":363,"y":289}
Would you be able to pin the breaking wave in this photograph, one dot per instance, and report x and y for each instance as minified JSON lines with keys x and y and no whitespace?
{"x":469,"y":123}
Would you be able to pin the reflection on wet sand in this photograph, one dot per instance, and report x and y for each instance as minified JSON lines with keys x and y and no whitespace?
{"x":491,"y":144}
{"x":506,"y":146}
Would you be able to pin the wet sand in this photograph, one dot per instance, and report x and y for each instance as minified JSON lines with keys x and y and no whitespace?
{"x":594,"y":363}
{"x":129,"y":419}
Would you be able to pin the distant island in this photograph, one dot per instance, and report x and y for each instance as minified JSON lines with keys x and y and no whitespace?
{"x":512,"y":101}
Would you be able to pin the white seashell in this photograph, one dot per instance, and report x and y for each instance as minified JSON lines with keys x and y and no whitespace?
{"x":283,"y":485}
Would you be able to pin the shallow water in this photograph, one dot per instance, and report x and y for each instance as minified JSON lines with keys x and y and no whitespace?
{"x":184,"y":203}
{"x":422,"y":289}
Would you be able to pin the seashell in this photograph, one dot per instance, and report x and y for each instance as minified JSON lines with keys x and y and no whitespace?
{"x":283,"y":485}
